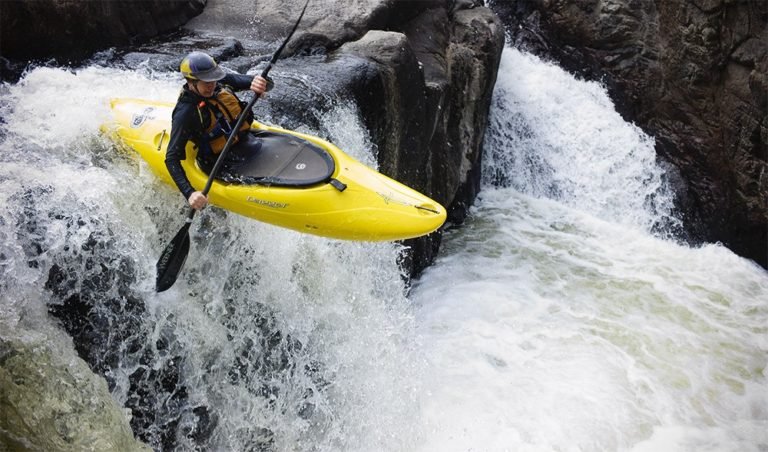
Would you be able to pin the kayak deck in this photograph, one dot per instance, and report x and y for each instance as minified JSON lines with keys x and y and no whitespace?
{"x":271,"y":158}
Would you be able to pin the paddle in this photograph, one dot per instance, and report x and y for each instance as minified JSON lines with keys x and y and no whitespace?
{"x":175,"y":254}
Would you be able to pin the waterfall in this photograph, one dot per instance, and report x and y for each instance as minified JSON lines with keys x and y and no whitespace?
{"x":554,"y":136}
{"x":560,"y":317}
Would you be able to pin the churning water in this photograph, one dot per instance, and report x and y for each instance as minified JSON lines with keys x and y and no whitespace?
{"x":553,"y":320}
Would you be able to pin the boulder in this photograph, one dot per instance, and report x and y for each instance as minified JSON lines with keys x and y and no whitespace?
{"x":426,"y":105}
{"x":51,"y":400}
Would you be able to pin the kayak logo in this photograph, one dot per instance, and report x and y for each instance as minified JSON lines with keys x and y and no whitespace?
{"x":262,"y":202}
{"x":140,"y":118}
{"x":301,"y":166}
{"x":389,"y":199}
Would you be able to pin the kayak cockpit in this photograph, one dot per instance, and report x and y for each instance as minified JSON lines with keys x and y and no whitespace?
{"x":281,"y":159}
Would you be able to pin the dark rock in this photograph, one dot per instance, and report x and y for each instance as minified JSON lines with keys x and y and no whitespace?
{"x":67,"y":29}
{"x":426,"y":105}
{"x":423,"y":82}
{"x":91,"y":283}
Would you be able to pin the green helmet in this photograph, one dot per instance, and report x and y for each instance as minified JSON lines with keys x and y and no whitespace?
{"x":201,"y":66}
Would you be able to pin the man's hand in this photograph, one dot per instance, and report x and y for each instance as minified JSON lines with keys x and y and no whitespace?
{"x":259,"y":85}
{"x":197,"y":200}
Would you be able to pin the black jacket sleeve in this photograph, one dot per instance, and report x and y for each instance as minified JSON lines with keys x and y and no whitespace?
{"x":183,"y":127}
{"x":238,"y":82}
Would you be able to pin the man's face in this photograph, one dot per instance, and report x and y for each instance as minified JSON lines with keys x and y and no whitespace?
{"x":204,"y":89}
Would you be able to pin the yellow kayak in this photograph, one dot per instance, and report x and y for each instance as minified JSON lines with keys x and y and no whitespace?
{"x":294,"y":180}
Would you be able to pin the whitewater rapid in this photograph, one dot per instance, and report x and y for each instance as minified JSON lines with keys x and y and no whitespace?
{"x":555,"y":320}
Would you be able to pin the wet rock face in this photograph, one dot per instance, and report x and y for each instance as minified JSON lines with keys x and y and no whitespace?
{"x":90,"y":284}
{"x":426,"y":102}
{"x":692,"y":74}
{"x":422,"y":73}
{"x":71,"y":29}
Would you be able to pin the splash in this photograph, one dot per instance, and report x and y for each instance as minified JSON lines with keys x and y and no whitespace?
{"x":270,"y":339}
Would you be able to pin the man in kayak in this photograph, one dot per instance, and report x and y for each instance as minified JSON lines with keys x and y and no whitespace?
{"x":205,"y":113}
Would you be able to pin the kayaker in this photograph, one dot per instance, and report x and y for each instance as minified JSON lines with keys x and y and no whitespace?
{"x":205,"y":113}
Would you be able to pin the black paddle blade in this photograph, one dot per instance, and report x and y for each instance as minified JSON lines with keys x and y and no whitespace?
{"x":172,"y":260}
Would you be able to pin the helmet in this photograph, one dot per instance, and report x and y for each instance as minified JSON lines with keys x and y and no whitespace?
{"x":201,"y":66}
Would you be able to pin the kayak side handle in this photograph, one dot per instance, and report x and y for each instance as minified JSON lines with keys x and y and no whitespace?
{"x":338,"y":185}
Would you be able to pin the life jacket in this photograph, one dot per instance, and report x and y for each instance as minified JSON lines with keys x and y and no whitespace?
{"x":221,"y":111}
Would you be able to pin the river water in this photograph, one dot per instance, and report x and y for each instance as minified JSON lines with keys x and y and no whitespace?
{"x":561,"y":316}
{"x":554,"y":320}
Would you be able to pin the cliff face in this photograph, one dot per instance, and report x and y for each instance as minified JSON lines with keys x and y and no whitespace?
{"x":692,"y":74}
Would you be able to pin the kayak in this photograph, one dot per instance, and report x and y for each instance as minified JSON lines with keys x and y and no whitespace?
{"x":292,"y":180}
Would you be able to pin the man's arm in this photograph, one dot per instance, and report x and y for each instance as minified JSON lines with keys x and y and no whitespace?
{"x":238,"y":82}
{"x":181,"y":132}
